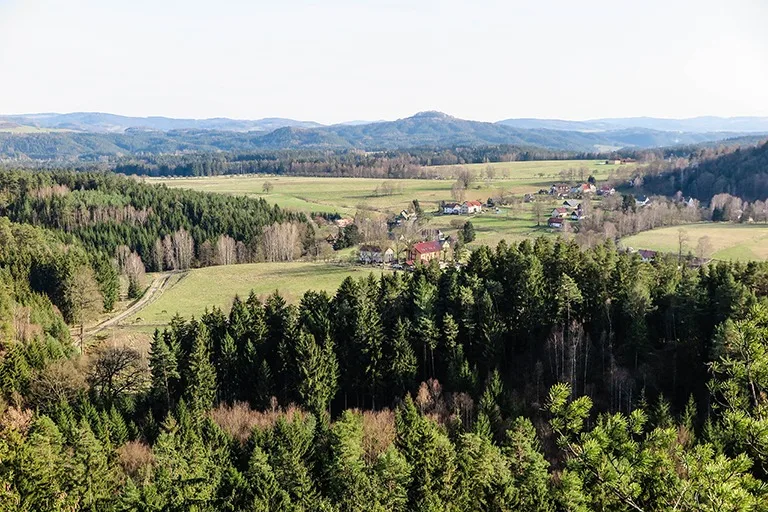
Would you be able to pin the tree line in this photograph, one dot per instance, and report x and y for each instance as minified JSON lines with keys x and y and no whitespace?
{"x":406,"y":163}
{"x":736,"y":171}
{"x":168,"y":229}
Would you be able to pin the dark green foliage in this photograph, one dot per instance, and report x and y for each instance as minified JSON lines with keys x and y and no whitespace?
{"x":468,"y":232}
{"x":736,"y":171}
{"x":657,"y":376}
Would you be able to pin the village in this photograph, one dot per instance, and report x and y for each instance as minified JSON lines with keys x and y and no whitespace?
{"x":408,"y":242}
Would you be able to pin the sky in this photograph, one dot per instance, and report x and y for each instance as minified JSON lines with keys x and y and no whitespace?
{"x":340,"y":60}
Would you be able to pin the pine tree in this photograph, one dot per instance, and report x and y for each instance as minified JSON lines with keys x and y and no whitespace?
{"x":165,"y":374}
{"x":227,"y":370}
{"x":402,"y":365}
{"x":318,"y":373}
{"x":200,"y":374}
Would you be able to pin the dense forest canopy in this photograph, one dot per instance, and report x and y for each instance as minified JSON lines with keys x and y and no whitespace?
{"x":538,"y":378}
{"x":166,"y":227}
{"x":741,"y":172}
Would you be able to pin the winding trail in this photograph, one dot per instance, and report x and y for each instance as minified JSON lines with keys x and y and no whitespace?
{"x":156,"y":288}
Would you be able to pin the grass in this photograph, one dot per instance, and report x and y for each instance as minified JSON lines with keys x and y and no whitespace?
{"x":347,"y":195}
{"x":217,"y":286}
{"x":741,"y":242}
{"x":24,"y":129}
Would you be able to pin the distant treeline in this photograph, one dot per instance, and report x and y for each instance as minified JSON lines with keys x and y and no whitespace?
{"x":741,"y":172}
{"x":389,"y":164}
{"x":354,"y":163}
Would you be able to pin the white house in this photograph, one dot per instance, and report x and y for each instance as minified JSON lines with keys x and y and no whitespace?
{"x":470,"y":207}
{"x":376,"y":254}
{"x":451,"y":209}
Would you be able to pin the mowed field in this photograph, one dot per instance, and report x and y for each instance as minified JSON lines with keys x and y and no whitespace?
{"x":738,"y":242}
{"x":348,"y":195}
{"x":217,"y":286}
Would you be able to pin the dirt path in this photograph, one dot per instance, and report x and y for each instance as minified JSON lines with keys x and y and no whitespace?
{"x":158,"y":286}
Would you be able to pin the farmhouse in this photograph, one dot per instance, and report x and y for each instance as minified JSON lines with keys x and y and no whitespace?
{"x":560,"y":212}
{"x":606,"y":190}
{"x":471,"y":207}
{"x":583,"y":189}
{"x":642,"y":200}
{"x":426,"y":251}
{"x":646,"y":255}
{"x":571,"y":203}
{"x":555,"y":222}
{"x":376,"y":254}
{"x":560,"y":189}
{"x":451,"y":209}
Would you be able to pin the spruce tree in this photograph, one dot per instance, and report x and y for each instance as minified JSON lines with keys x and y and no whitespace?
{"x":165,"y":374}
{"x":200,"y":374}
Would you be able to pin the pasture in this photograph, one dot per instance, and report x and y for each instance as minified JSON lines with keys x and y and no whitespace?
{"x":217,"y":286}
{"x":738,"y":242}
{"x":348,"y":195}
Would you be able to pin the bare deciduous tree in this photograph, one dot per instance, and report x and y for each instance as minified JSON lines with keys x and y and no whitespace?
{"x":225,"y":252}
{"x":281,"y":242}
{"x":117,"y":371}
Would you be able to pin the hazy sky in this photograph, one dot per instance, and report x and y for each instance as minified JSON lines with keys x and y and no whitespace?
{"x":338,"y":60}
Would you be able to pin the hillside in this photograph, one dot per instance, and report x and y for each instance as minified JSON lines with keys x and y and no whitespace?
{"x":742,"y":172}
{"x":98,"y":122}
{"x":695,"y":124}
{"x":426,"y":129}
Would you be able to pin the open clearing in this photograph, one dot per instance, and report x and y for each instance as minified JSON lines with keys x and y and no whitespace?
{"x":217,"y":286}
{"x":348,"y":195}
{"x":742,"y":242}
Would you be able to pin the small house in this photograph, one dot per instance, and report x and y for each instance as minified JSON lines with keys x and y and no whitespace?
{"x":555,"y":223}
{"x":470,"y":207}
{"x":584,"y":189}
{"x":560,"y":212}
{"x":606,"y":190}
{"x":560,"y":189}
{"x":426,"y":251}
{"x":646,"y":255}
{"x":376,"y":254}
{"x":451,"y":209}
{"x":571,"y":203}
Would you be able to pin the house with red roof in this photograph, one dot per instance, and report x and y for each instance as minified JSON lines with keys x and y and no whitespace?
{"x":560,"y":211}
{"x":471,"y":207}
{"x":426,"y":251}
{"x":555,"y":222}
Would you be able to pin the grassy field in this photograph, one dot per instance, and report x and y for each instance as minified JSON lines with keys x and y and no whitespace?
{"x":740,"y":242}
{"x":348,"y":195}
{"x":217,"y":286}
{"x":345,"y":195}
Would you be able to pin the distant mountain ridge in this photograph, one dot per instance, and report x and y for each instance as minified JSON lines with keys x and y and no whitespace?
{"x":97,"y":122}
{"x":110,"y":135}
{"x":702,"y":124}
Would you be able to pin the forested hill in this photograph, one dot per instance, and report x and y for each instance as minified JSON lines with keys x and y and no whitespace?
{"x":432,"y":129}
{"x":167,"y":228}
{"x":741,"y":172}
{"x":538,"y":378}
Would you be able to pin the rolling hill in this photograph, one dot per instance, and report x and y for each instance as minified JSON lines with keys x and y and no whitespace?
{"x":117,"y":135}
{"x":97,"y":122}
{"x":705,"y":124}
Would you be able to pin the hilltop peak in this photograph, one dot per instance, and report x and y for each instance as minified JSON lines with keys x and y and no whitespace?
{"x":431,"y":114}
